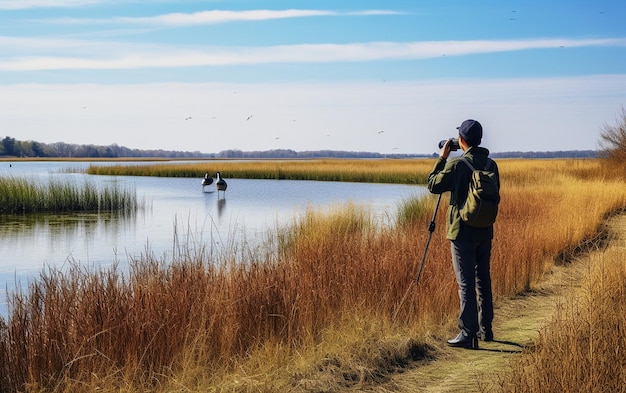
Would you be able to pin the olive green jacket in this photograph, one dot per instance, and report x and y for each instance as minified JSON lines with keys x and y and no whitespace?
{"x":454,"y":176}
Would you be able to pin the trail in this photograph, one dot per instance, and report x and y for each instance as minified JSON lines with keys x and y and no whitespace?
{"x":517,"y":324}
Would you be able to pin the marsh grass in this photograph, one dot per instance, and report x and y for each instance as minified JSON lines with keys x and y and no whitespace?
{"x":24,"y":195}
{"x":315,"y":309}
{"x":411,"y":210}
{"x":370,"y":171}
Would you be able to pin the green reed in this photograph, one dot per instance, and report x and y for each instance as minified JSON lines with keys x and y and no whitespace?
{"x":23,"y":195}
{"x":412,"y":210}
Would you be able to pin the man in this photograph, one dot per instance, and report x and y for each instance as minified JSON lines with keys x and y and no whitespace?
{"x":471,"y":246}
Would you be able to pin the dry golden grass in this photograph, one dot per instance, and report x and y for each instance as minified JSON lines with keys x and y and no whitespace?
{"x":586,"y":334}
{"x":371,"y":171}
{"x":334,"y":304}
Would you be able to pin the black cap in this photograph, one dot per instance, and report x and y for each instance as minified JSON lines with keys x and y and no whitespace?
{"x":471,"y":131}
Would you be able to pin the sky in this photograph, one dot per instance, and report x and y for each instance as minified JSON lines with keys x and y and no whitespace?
{"x":387,"y":77}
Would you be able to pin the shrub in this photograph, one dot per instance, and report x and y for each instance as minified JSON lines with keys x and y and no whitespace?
{"x":613,"y":139}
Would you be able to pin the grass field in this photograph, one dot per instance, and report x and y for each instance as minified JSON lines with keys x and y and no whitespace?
{"x":330,"y":303}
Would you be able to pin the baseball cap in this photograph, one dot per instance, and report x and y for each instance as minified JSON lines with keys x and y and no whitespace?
{"x":471,"y":131}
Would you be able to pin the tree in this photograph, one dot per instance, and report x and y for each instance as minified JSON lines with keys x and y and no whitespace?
{"x":9,"y":146}
{"x":613,"y":139}
{"x":38,"y":149}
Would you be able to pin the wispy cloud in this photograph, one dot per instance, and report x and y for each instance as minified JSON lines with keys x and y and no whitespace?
{"x":375,"y":12}
{"x":78,"y":54}
{"x":26,"y":4}
{"x":217,"y":16}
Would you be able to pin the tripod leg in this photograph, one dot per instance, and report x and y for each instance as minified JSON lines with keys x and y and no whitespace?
{"x":431,"y":229}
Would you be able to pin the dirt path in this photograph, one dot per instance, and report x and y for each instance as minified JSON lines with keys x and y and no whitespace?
{"x":517,"y":324}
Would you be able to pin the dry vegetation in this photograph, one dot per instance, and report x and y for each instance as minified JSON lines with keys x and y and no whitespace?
{"x":586,"y":333}
{"x":330,"y":303}
{"x":371,"y":171}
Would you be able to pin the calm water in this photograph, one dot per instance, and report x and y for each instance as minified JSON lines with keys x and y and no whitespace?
{"x":174,"y":208}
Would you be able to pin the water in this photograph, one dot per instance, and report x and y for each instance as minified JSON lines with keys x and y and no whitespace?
{"x":175,"y":208}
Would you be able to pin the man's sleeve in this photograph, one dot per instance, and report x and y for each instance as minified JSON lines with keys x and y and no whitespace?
{"x":440,"y":178}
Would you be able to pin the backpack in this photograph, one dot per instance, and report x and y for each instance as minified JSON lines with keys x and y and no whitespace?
{"x":481,"y":206}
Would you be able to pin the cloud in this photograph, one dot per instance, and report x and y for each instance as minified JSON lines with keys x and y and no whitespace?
{"x":25,"y":4}
{"x":216,"y":17}
{"x":30,"y":54}
{"x":219,"y":16}
{"x":375,"y":12}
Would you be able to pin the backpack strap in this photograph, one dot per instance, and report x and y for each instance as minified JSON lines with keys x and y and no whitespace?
{"x":489,"y":163}
{"x":471,"y":167}
{"x":466,"y":161}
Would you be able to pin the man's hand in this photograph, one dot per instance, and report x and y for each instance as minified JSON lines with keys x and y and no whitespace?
{"x":445,"y":150}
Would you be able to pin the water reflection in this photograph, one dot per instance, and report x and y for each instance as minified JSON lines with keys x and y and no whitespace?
{"x":32,"y":240}
{"x":221,"y":205}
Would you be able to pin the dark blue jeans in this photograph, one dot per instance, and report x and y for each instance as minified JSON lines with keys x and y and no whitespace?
{"x":471,"y":268}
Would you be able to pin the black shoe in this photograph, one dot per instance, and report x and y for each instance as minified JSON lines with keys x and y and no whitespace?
{"x":486,"y":335}
{"x":464,"y":341}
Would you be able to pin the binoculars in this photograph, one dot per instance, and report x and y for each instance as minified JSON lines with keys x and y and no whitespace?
{"x":454,"y":144}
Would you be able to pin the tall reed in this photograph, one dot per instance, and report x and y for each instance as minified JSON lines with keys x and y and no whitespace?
{"x":194,"y":322}
{"x":24,"y":195}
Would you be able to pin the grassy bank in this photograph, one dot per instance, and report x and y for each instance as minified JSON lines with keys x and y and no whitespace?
{"x":331,"y":304}
{"x":23,"y":195}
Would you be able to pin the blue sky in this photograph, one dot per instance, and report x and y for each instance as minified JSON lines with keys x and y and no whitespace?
{"x":389,"y":77}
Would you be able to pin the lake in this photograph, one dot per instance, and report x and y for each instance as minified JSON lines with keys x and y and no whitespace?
{"x":174,"y":208}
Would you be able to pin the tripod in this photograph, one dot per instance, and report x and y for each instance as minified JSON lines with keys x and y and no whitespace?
{"x":431,"y":229}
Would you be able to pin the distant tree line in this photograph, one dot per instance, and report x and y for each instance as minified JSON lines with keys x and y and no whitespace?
{"x":288,"y":153}
{"x":13,"y":148}
{"x":547,"y":154}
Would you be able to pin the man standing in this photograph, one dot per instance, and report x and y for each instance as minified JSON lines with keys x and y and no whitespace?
{"x":471,"y":246}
